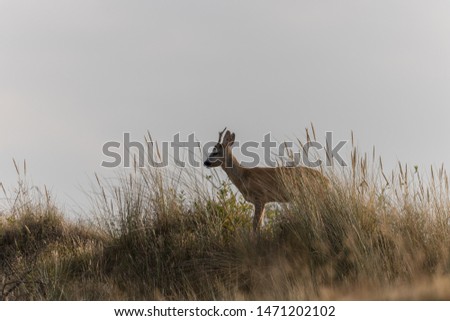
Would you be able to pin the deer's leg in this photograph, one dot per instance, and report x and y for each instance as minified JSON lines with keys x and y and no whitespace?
{"x":258,"y":217}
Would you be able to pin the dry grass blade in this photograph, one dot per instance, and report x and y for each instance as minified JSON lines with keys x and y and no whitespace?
{"x":178,"y":235}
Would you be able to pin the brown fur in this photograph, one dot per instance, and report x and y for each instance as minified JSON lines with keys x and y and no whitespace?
{"x":260,"y":185}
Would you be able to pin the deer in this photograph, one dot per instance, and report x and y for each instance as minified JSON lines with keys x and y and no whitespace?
{"x":260,"y":185}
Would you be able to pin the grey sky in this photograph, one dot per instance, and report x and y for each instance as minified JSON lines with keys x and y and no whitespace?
{"x":74,"y":74}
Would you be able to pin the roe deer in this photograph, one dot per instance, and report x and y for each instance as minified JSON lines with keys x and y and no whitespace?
{"x":261,"y":185}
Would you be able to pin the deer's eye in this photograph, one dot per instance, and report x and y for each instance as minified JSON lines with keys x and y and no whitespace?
{"x":215,"y":151}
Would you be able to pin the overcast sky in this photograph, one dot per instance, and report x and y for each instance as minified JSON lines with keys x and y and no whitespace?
{"x":75,"y":74}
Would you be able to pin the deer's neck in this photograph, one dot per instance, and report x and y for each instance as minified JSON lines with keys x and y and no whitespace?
{"x":233,"y":168}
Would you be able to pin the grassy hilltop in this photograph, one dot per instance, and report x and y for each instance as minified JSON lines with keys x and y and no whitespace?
{"x":152,"y":237}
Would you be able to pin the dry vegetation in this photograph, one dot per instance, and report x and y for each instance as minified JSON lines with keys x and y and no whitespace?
{"x":376,"y":236}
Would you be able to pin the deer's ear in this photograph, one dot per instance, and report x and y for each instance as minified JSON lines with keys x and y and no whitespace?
{"x":228,"y":140}
{"x":232,"y":139}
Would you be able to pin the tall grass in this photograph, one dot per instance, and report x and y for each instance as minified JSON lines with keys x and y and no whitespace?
{"x":156,"y":234}
{"x":42,"y":255}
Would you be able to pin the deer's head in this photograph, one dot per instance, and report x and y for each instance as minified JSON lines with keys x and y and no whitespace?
{"x":219,"y":153}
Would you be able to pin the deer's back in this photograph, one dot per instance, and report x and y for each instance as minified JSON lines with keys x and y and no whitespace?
{"x":275,"y":184}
